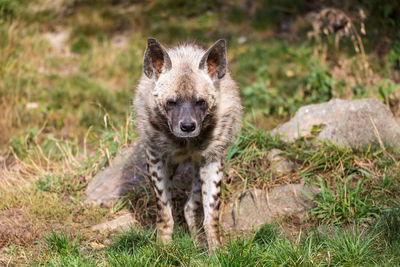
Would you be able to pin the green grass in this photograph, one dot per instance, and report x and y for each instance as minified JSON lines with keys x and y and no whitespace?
{"x":266,"y":247}
{"x":344,"y":204}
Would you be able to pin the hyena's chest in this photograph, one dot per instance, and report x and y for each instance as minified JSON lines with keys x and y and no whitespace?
{"x":184,"y":155}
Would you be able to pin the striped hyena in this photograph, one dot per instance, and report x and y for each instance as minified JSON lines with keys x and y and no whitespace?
{"x":187,"y":110}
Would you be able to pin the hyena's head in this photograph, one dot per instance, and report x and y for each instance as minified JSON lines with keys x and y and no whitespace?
{"x":185,"y":84}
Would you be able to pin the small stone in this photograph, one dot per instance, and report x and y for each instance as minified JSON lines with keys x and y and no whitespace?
{"x":278,"y":163}
{"x":96,"y":245}
{"x":32,"y":105}
{"x":242,"y":39}
{"x":120,"y":223}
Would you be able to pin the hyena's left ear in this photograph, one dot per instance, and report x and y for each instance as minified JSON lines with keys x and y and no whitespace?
{"x":214,"y":60}
{"x":156,"y":59}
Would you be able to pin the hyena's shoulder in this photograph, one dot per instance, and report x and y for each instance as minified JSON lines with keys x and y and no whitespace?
{"x":229,"y":97}
{"x":228,"y":118}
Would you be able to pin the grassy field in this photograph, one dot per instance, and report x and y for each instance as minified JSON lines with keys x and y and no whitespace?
{"x":68,"y":70}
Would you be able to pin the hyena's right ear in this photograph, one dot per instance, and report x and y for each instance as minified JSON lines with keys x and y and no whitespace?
{"x":214,"y":60}
{"x":156,"y":59}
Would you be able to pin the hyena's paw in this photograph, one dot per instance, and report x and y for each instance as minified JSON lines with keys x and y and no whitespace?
{"x":212,"y":235}
{"x":213,"y":243}
{"x":165,"y":225}
{"x":164,"y":238}
{"x":198,"y":236}
{"x":164,"y":234}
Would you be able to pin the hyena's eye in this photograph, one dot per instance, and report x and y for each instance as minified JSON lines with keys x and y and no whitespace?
{"x":201,"y":103}
{"x":170,"y":104}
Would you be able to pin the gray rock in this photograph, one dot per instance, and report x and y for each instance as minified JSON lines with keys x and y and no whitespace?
{"x":125,"y":173}
{"x":278,"y":163}
{"x":351,"y":123}
{"x":121,"y":223}
{"x":254,"y":208}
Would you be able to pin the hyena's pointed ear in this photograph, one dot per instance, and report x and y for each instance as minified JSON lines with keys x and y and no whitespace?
{"x":156,"y":59}
{"x":214,"y":60}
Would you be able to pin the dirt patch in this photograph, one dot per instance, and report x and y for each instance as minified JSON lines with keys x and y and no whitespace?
{"x":57,"y":40}
{"x":16,"y":229}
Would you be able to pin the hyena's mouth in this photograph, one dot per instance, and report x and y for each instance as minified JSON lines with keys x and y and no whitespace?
{"x":186,"y":135}
{"x":185,"y":130}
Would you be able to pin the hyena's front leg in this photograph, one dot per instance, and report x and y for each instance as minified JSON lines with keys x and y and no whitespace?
{"x":193,"y":204}
{"x":211,"y":176}
{"x":160,"y":173}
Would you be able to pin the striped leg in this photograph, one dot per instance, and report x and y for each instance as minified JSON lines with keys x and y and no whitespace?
{"x":193,"y":204}
{"x":160,"y":178}
{"x":211,"y":176}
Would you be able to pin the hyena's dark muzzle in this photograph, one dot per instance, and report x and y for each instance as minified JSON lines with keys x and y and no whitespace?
{"x":185,"y":117}
{"x":187,"y":121}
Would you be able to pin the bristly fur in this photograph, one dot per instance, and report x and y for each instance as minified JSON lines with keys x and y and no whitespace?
{"x":181,"y":86}
{"x":192,"y":43}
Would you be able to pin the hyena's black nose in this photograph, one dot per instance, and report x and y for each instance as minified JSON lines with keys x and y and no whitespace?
{"x":188,"y":126}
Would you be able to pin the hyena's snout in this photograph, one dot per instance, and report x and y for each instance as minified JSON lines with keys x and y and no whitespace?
{"x":187,"y":121}
{"x":187,"y":127}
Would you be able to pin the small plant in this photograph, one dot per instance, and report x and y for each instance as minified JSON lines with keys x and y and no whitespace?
{"x":318,"y":83}
{"x":61,"y":243}
{"x":80,"y":45}
{"x":352,"y":248}
{"x":45,"y":182}
{"x":345,"y":204}
{"x":267,"y":234}
{"x":388,"y":225}
{"x":8,"y":9}
{"x":394,"y":54}
{"x":239,"y":252}
{"x":131,"y":240}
